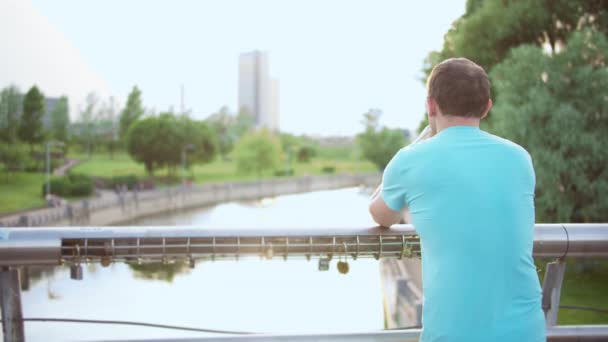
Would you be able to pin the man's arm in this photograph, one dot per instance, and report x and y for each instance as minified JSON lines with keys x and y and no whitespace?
{"x":380,"y":211}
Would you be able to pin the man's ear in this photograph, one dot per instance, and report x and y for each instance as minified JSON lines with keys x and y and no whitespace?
{"x":485,"y":113}
{"x":431,"y":107}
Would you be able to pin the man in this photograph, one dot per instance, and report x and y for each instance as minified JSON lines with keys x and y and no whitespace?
{"x":471,"y":198}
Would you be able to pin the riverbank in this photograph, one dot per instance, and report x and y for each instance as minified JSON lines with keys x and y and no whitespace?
{"x":115,"y":208}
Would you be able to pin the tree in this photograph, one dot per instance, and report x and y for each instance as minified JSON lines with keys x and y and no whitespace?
{"x":30,"y":127}
{"x":132,"y":112}
{"x":108,"y":125}
{"x":88,"y":121}
{"x":143,"y":144}
{"x":60,"y":119}
{"x":223,"y":124}
{"x":379,"y":145}
{"x":202,"y":138}
{"x":9,"y":114}
{"x":229,"y":128}
{"x":555,"y":106}
{"x":157,"y":141}
{"x":305,"y":153}
{"x":257,"y":151}
{"x":543,"y":23}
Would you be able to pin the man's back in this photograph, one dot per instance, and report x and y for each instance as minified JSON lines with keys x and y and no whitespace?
{"x":471,"y":197}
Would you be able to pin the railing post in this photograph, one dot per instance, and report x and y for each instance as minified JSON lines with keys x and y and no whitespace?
{"x":10,"y":299}
{"x":552,"y":288}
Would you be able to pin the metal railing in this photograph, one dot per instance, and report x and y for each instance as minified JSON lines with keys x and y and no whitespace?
{"x":77,"y":245}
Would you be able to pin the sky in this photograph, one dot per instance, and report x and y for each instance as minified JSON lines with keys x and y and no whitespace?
{"x":334,"y":59}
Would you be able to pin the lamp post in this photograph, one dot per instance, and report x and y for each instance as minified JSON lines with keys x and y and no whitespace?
{"x":185,"y":149}
{"x":48,"y":163}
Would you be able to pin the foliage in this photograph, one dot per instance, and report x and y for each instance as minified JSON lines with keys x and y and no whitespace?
{"x":72,"y":185}
{"x":130,"y":181}
{"x":328,"y":169}
{"x":12,"y":157}
{"x":158,"y":270}
{"x":60,"y":119}
{"x":30,"y":126}
{"x":88,"y":122}
{"x":132,"y":112}
{"x":379,"y":145}
{"x":513,"y":23}
{"x":284,"y":173}
{"x":157,"y":141}
{"x":305,"y":153}
{"x":555,"y":106}
{"x":9,"y":114}
{"x":229,"y":128}
{"x":257,"y":151}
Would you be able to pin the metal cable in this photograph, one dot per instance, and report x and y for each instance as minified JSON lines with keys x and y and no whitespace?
{"x":567,"y":243}
{"x":141,"y":324}
{"x":163,"y":326}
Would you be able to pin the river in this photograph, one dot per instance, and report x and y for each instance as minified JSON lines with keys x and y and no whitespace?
{"x":247,"y":295}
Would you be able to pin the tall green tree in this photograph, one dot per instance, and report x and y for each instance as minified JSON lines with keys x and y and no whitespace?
{"x":9,"y":114}
{"x":88,"y":121}
{"x":489,"y":29}
{"x":555,"y":106}
{"x":379,"y":144}
{"x":143,"y":144}
{"x":30,"y":126}
{"x":60,"y":119}
{"x":223,"y":124}
{"x":132,"y":112}
{"x":157,"y":141}
{"x":258,"y":151}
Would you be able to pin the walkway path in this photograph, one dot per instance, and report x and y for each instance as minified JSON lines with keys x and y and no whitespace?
{"x":63,"y":169}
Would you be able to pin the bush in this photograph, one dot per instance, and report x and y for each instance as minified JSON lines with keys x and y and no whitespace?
{"x":70,"y":186}
{"x":284,"y":173}
{"x":305,"y":153}
{"x":129,"y":180}
{"x":328,"y":169}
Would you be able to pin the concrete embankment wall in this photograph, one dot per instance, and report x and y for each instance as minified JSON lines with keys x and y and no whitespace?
{"x":124,"y":207}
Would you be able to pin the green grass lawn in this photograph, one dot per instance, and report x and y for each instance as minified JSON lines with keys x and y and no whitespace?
{"x":20,"y":190}
{"x":101,"y":165}
{"x":585,"y":284}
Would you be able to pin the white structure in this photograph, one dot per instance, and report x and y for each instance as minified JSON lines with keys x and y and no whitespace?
{"x":258,"y":92}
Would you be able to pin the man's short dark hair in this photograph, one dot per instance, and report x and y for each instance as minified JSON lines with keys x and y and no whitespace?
{"x":460,"y":87}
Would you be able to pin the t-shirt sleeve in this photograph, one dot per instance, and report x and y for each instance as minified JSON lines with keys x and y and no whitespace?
{"x":393,"y":185}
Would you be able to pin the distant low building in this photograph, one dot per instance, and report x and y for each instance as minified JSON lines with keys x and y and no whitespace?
{"x":258,"y":91}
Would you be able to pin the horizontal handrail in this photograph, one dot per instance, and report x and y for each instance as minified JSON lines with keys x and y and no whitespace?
{"x":72,"y":245}
{"x":554,"y":334}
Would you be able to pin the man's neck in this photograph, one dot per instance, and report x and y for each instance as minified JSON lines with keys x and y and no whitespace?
{"x":450,"y":121}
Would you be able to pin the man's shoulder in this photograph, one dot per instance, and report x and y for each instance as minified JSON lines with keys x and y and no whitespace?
{"x":508,"y":145}
{"x":415,"y":151}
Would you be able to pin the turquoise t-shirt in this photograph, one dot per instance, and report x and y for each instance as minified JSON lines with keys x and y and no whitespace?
{"x":471,"y":198}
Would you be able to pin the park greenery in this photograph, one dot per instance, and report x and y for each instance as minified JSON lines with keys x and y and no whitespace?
{"x":379,"y":144}
{"x":547,"y":65}
{"x":130,"y":145}
{"x":161,"y":140}
{"x":258,"y":151}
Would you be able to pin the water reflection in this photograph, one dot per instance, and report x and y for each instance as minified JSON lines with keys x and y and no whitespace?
{"x":159,"y":271}
{"x":248,"y":295}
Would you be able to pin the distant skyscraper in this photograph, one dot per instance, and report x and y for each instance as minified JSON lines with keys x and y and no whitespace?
{"x":258,"y":92}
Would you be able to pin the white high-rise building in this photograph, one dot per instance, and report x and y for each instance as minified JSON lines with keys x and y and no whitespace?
{"x":258,"y":91}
